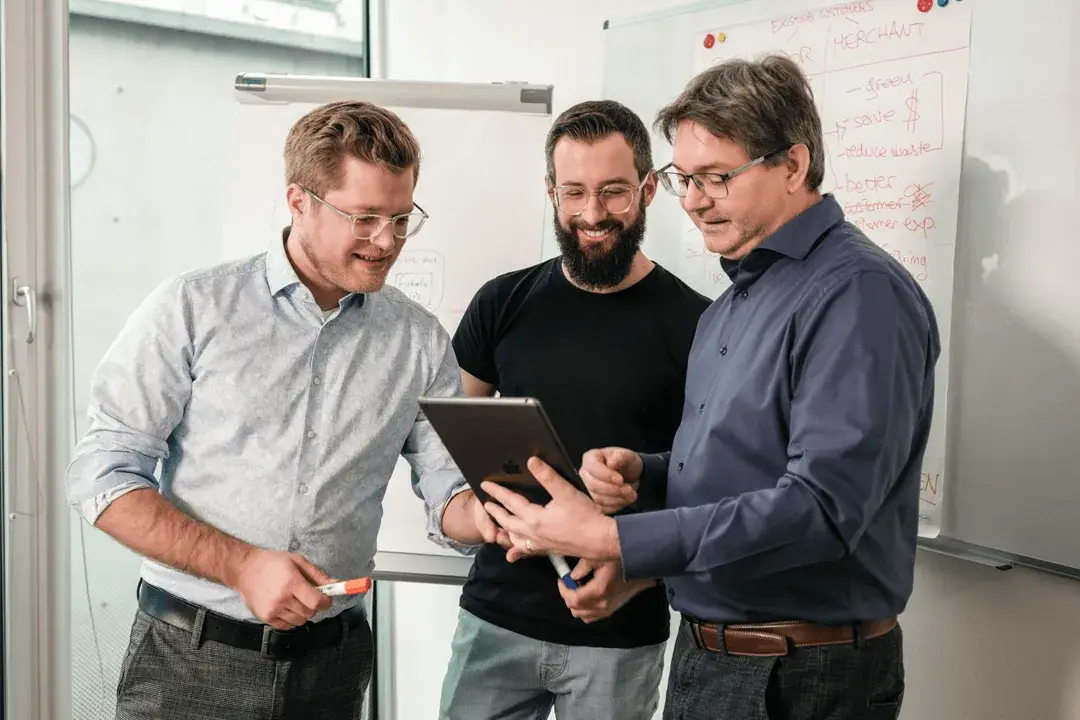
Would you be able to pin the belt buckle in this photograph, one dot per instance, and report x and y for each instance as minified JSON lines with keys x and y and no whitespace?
{"x":295,"y":651}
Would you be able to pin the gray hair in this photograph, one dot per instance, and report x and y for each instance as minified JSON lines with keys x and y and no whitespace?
{"x":761,"y":105}
{"x":595,"y":119}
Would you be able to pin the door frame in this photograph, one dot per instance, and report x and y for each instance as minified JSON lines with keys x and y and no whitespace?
{"x":37,"y":379}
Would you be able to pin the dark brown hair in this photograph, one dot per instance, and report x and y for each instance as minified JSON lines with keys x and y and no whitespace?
{"x":595,"y":119}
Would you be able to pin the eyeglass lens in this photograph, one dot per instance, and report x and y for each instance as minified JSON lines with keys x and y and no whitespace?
{"x":710,"y":184}
{"x":615,"y":199}
{"x":366,"y":227}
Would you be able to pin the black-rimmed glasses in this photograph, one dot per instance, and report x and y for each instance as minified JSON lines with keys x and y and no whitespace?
{"x":714,"y":185}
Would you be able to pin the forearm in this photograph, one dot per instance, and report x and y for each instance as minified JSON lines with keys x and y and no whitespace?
{"x":457,"y":519}
{"x":751,"y":535}
{"x":149,"y":524}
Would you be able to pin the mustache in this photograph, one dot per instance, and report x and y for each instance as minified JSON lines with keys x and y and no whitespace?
{"x":602,"y":226}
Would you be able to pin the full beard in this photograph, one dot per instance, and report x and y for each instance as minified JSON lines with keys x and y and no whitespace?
{"x":597,"y":266}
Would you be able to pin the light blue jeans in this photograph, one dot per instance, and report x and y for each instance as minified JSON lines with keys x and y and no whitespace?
{"x":495,"y":674}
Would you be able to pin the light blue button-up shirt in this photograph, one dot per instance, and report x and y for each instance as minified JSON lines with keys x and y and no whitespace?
{"x":273,"y":421}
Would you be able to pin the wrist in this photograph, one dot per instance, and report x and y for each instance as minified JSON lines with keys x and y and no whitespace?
{"x":606,"y":546}
{"x":235,"y":564}
{"x":637,"y":469}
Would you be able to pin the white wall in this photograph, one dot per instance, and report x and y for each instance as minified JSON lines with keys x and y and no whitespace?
{"x":980,"y":644}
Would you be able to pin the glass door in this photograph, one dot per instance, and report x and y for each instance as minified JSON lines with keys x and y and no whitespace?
{"x":33,"y":179}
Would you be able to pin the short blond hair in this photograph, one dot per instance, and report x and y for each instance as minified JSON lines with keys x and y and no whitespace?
{"x":319,"y":143}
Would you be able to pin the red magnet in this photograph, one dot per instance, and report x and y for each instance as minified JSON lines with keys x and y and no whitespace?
{"x":925,"y":5}
{"x":710,"y":40}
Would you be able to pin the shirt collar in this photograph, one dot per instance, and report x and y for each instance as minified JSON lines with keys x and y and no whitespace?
{"x":794,"y":239}
{"x":279,"y":271}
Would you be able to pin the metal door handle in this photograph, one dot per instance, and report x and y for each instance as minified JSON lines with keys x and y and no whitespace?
{"x":26,"y":297}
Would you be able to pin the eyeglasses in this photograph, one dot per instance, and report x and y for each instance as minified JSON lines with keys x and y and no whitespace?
{"x":366,"y":226}
{"x":714,"y":185}
{"x":616,"y":198}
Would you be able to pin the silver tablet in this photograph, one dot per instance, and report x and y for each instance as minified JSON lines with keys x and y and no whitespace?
{"x":492,"y":439}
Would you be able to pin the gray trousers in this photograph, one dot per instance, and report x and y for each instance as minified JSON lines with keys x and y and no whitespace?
{"x":168,"y":674}
{"x":839,"y":682}
{"x":495,"y":674}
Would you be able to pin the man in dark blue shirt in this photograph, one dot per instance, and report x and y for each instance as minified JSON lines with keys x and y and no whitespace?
{"x":787,"y":536}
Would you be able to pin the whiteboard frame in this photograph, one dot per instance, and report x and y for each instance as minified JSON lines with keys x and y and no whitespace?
{"x":511,"y":97}
{"x":943,"y":543}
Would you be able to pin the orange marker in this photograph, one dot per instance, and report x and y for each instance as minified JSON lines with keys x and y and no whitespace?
{"x":357,"y":586}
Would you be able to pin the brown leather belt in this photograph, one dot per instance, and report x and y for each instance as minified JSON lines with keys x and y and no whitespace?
{"x":777,"y":639}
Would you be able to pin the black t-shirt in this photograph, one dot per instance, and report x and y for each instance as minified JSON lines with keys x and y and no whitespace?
{"x":610,"y":369}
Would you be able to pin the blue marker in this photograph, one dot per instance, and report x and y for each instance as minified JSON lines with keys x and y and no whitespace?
{"x":563,"y":569}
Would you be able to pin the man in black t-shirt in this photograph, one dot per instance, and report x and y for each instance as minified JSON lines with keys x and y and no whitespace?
{"x":600,"y":335}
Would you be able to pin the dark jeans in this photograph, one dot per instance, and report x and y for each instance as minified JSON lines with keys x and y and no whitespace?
{"x":838,"y":682}
{"x":167,"y":675}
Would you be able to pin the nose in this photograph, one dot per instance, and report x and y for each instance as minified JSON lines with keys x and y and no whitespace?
{"x":385,"y":239}
{"x":695,"y":200}
{"x":594,"y":211}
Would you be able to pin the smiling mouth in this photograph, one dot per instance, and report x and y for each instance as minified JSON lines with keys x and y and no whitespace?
{"x":595,"y":234}
{"x":370,"y":260}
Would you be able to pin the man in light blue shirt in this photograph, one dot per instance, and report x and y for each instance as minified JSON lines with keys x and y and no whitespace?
{"x":277,"y":393}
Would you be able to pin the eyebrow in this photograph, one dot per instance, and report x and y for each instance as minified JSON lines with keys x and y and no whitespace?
{"x":609,"y":181}
{"x":718,"y":168}
{"x":377,"y":211}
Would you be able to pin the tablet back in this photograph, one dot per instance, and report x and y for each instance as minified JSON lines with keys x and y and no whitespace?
{"x":492,"y":439}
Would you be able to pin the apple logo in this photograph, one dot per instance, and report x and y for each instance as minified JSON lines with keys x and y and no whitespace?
{"x":511,"y":468}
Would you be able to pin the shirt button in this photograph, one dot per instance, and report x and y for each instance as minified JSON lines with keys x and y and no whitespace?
{"x":311,"y":433}
{"x":743,"y":294}
{"x":723,"y":350}
{"x":670,"y":594}
{"x":294,"y":545}
{"x":316,"y":381}
{"x":680,"y":467}
{"x":702,"y":408}
{"x":303,"y":488}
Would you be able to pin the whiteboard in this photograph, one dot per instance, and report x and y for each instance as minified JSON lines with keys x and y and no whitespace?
{"x":481,"y":182}
{"x":1013,"y":374}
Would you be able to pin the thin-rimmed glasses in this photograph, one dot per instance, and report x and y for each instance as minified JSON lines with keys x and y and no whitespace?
{"x":366,"y":226}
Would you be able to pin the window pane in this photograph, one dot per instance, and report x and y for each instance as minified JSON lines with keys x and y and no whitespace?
{"x":152,"y":121}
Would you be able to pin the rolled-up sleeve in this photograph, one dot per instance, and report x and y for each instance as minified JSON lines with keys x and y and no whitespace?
{"x":436,"y":479}
{"x":138,"y":394}
{"x":862,"y":373}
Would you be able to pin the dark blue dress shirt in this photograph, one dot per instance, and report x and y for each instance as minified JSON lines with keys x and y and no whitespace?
{"x":793,"y":481}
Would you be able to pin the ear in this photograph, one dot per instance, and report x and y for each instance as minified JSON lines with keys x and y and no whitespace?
{"x":297,"y":201}
{"x":797,"y":163}
{"x":648,"y":190}
{"x":551,"y":193}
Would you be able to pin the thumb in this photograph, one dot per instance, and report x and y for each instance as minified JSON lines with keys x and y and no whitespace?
{"x":583,"y":568}
{"x":550,"y":480}
{"x":314,"y":575}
